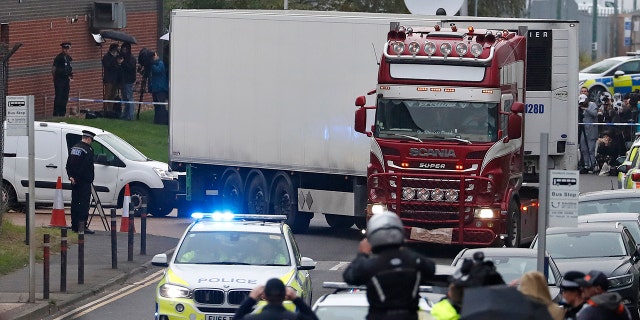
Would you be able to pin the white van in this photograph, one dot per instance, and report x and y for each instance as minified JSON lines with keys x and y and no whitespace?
{"x":116,"y":164}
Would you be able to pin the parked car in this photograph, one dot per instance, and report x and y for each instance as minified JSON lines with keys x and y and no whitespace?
{"x":220,"y":258}
{"x":606,"y":247}
{"x":631,"y":220}
{"x":613,"y":75}
{"x":609,"y":201}
{"x":512,"y":263}
{"x":629,"y":170}
{"x":349,"y":302}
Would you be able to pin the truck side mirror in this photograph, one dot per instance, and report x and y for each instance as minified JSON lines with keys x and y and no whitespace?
{"x":514,"y":127}
{"x":361,"y":101}
{"x":517,"y":107}
{"x":361,"y":120}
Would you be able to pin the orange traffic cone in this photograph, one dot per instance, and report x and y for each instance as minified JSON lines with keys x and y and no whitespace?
{"x":124,"y":222}
{"x":57,"y":215}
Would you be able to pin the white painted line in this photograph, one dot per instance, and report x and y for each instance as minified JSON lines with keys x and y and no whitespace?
{"x":131,"y":288}
{"x":339,"y":265}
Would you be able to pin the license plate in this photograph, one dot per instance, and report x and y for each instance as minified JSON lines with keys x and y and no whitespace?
{"x":218,"y":317}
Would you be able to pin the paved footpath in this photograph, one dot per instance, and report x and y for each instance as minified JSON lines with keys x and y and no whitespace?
{"x":98,"y":274}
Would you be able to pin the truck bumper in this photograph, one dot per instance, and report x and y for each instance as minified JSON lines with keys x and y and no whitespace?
{"x":470,"y":236}
{"x":167,"y":196}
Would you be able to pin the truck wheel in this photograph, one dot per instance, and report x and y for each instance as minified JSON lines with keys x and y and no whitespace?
{"x":285,"y":203}
{"x":257,"y":196}
{"x":513,"y":225}
{"x":339,"y":222}
{"x":232,"y":194}
{"x":8,"y":199}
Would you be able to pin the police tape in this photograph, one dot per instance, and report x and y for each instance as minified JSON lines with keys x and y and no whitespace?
{"x":116,"y":101}
{"x":609,"y":124}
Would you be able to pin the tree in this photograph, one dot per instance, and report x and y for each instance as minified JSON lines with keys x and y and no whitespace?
{"x":491,"y":8}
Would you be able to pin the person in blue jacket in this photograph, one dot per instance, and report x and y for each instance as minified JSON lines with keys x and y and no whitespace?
{"x":159,"y":88}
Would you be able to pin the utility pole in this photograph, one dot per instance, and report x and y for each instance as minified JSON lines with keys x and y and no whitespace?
{"x":594,"y":31}
{"x":615,"y":27}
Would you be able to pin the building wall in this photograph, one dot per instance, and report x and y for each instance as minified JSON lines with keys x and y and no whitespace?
{"x":40,"y":26}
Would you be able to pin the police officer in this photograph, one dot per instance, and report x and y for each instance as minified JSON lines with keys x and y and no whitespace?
{"x":62,"y":73}
{"x":275,"y":293}
{"x":391,"y":272}
{"x":80,"y":171}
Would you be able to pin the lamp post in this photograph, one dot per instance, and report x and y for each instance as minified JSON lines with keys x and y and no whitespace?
{"x":594,"y":31}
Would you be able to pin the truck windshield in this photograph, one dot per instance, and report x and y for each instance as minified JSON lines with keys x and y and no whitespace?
{"x":124,"y":148}
{"x":424,"y":120}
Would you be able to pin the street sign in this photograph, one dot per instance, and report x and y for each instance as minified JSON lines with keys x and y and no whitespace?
{"x":17,"y":115}
{"x":564,"y":188}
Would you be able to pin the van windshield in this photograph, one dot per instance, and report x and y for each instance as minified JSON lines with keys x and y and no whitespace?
{"x":124,"y":148}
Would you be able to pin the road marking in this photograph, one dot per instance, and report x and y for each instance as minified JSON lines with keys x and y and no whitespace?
{"x":131,"y":288}
{"x":339,"y":265}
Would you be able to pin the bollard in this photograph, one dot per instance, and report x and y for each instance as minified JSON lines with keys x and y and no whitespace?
{"x":81,"y":252}
{"x":63,"y":260}
{"x":130,"y":234}
{"x":143,"y":227}
{"x":114,"y":240}
{"x":45,"y":265}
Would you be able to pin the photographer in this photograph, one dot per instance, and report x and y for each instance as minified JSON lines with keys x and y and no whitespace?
{"x":587,"y":132}
{"x":608,"y":150}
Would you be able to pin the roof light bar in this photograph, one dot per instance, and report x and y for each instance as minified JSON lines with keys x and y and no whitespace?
{"x":229,"y":216}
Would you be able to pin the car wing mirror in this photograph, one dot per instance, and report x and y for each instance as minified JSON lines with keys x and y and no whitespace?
{"x":307,"y":264}
{"x":160,"y":260}
{"x":622,"y":168}
{"x":618,"y":73}
{"x":102,"y":159}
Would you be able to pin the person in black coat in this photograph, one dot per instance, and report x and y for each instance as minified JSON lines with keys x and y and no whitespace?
{"x":275,"y":293}
{"x":80,"y":171}
{"x":600,"y":303}
{"x":62,"y":73}
{"x":391,"y":272}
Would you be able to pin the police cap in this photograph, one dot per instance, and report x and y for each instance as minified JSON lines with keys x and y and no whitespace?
{"x":66,"y":45}
{"x":87,"y":133}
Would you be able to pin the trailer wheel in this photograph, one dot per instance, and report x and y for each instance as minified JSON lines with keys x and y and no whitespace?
{"x":285,"y":203}
{"x":513,"y":225}
{"x":232,"y":192}
{"x":339,"y":222}
{"x":257,"y":196}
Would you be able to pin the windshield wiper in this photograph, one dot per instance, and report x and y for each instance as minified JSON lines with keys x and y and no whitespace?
{"x":402,"y":135}
{"x":465,"y":141}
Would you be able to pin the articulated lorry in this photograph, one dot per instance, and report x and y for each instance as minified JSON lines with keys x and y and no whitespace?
{"x":264,"y":122}
{"x":449,"y":149}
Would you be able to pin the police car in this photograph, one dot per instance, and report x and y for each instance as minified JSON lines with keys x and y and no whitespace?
{"x":613,"y":75}
{"x":220,"y":258}
{"x":349,"y":302}
{"x":630,"y":166}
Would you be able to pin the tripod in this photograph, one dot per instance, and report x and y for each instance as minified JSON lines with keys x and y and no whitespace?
{"x":583,"y":134}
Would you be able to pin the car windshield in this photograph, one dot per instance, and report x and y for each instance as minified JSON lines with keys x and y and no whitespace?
{"x":228,"y":247}
{"x":585,"y":245}
{"x":601,"y":66}
{"x":611,"y":205}
{"x":512,"y":268}
{"x":342,"y":312}
{"x":442,"y":120}
{"x":124,"y":148}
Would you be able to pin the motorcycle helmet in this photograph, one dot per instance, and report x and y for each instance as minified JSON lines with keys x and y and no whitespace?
{"x":384,"y":229}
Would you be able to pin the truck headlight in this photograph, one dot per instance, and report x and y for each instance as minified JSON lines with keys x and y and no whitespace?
{"x":377,"y":208}
{"x":484,"y":213}
{"x":168,"y":290}
{"x":164,"y":174}
{"x":621,"y":281}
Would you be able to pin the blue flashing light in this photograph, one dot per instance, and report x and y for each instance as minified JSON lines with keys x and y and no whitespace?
{"x":216,"y":216}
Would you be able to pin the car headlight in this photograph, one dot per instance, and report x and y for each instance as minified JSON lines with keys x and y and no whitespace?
{"x":164,"y":174}
{"x":621,"y":281}
{"x":168,"y":290}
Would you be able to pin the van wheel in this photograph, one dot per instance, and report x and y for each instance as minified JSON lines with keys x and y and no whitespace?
{"x":285,"y":203}
{"x":8,"y":199}
{"x":137,"y":192}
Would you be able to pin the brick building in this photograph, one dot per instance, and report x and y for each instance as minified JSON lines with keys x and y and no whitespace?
{"x":41,"y":25}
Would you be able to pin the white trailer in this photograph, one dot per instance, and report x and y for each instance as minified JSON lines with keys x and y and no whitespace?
{"x":262,"y":109}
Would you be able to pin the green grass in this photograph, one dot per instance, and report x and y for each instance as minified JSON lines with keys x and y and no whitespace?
{"x":151,"y":139}
{"x":14,"y":253}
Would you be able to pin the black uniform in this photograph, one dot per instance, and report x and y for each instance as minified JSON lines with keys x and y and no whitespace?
{"x":80,"y":168}
{"x":392,"y":275}
{"x":61,"y":74}
{"x":274,"y":312}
